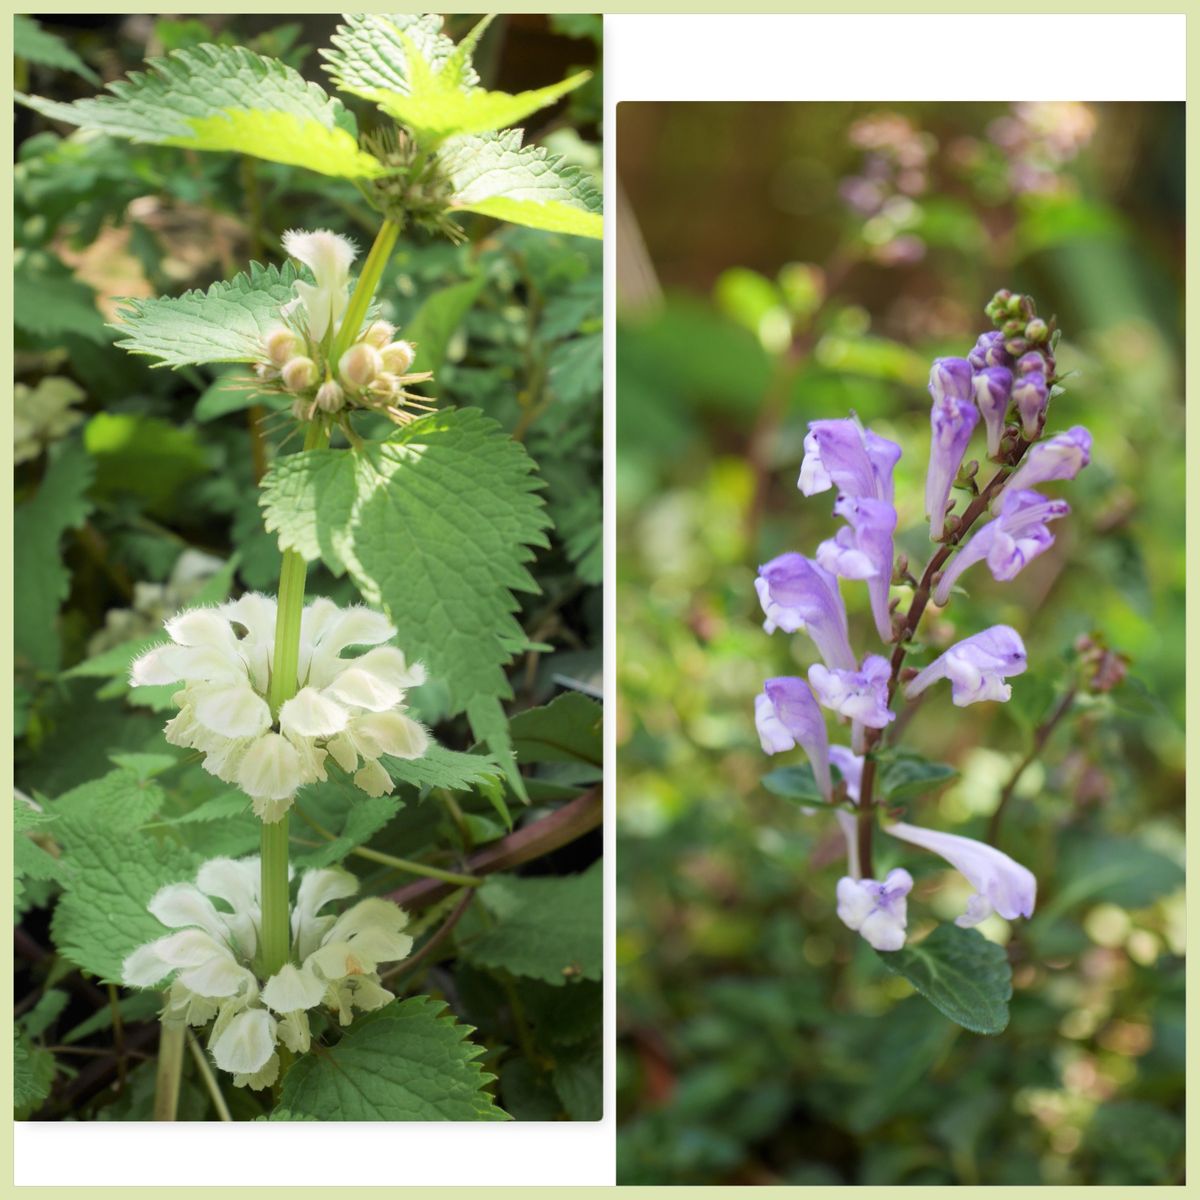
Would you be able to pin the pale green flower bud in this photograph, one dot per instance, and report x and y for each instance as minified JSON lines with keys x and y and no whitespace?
{"x":379,"y":334}
{"x":398,"y":357}
{"x":299,"y":373}
{"x":330,"y":397}
{"x":281,"y":345}
{"x":359,"y":365}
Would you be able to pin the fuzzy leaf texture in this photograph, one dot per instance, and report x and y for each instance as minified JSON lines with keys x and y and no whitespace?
{"x":436,"y":525}
{"x":423,"y":85}
{"x":406,"y":1062}
{"x":225,"y":98}
{"x":226,"y":323}
{"x":960,"y":973}
{"x":546,"y":928}
{"x":40,"y":577}
{"x":494,"y":174}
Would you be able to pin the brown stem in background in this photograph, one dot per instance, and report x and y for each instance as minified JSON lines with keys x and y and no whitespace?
{"x":435,"y":939}
{"x":573,"y":820}
{"x":1040,"y":737}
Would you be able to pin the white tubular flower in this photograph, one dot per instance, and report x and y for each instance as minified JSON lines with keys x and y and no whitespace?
{"x":329,"y":256}
{"x":210,"y":962}
{"x":350,"y":708}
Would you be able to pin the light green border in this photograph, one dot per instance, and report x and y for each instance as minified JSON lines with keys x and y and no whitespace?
{"x":1193,"y":606}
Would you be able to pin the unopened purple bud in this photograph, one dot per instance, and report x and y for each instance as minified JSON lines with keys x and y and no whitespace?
{"x":989,"y":352}
{"x":952,"y":419}
{"x":1031,"y":363}
{"x":976,"y":667}
{"x":993,"y":390}
{"x":1031,"y":394}
{"x":1061,"y":457}
{"x":786,"y":716}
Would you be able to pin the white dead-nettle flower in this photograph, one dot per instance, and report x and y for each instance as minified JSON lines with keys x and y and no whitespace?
{"x":350,"y":709}
{"x":210,"y":962}
{"x":329,"y":256}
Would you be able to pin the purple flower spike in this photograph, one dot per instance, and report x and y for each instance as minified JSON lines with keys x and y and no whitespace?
{"x":976,"y":667}
{"x":953,"y":417}
{"x":799,"y":594}
{"x":863,"y":550}
{"x":1002,"y":885}
{"x":786,"y":716}
{"x":993,"y":390}
{"x":879,"y":911}
{"x":989,"y":352}
{"x":1061,"y":457}
{"x":860,"y":695}
{"x":843,"y":455}
{"x":1016,"y":537}
{"x":1031,"y":394}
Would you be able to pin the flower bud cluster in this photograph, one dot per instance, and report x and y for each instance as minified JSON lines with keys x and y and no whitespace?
{"x":372,"y":372}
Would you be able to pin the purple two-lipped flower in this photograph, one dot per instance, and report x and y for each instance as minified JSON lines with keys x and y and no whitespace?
{"x":1062,"y":456}
{"x":786,"y":715}
{"x":1008,"y":543}
{"x":976,"y":667}
{"x":952,"y":418}
{"x":799,"y":595}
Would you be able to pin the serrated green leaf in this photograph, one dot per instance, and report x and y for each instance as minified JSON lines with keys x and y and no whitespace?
{"x":406,"y":1062}
{"x":579,"y":1080}
{"x":119,"y":802}
{"x":45,"y":1012}
{"x":908,"y":775}
{"x":494,"y":174}
{"x":580,"y":525}
{"x":961,"y":973}
{"x":489,"y":724}
{"x":442,"y":768}
{"x":576,"y":368}
{"x":225,"y":98}
{"x":40,"y":578}
{"x":37,"y":45}
{"x":137,"y":1006}
{"x":219,"y":808}
{"x":226,"y":323}
{"x":436,"y":525}
{"x":435,"y":322}
{"x":546,"y":928}
{"x":568,"y":729}
{"x":33,"y":1075}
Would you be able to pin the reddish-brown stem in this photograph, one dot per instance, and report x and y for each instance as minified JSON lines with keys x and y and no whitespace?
{"x":916,"y":610}
{"x":1040,"y":737}
{"x":573,"y":820}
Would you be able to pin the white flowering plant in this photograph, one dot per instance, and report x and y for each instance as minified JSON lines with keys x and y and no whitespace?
{"x":308,"y":660}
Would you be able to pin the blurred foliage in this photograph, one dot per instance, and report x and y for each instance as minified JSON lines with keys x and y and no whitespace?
{"x":136,"y":494}
{"x":759,"y":1040}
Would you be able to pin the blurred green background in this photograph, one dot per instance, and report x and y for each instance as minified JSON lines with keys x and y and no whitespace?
{"x":759,"y":1040}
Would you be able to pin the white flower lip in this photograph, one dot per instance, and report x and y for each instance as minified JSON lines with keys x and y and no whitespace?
{"x":350,"y":708}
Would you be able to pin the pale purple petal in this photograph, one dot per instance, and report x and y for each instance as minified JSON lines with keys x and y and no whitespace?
{"x":976,"y":667}
{"x":1002,"y":884}
{"x":952,"y":419}
{"x":792,"y":717}
{"x":851,"y":766}
{"x":843,"y":455}
{"x":798,"y":594}
{"x":848,"y":823}
{"x":1031,"y":394}
{"x":859,"y":695}
{"x":863,"y":550}
{"x":993,"y":390}
{"x":989,"y":352}
{"x":1061,"y":457}
{"x":1008,"y":543}
{"x":879,"y":911}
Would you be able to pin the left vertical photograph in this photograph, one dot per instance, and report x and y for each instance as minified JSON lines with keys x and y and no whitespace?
{"x":308,"y":568}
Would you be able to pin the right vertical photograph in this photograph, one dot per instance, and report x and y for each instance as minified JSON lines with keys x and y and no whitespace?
{"x":900,"y":643}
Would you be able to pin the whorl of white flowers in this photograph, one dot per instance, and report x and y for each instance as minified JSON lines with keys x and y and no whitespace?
{"x":349,"y":709}
{"x":210,"y":962}
{"x":371,"y":373}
